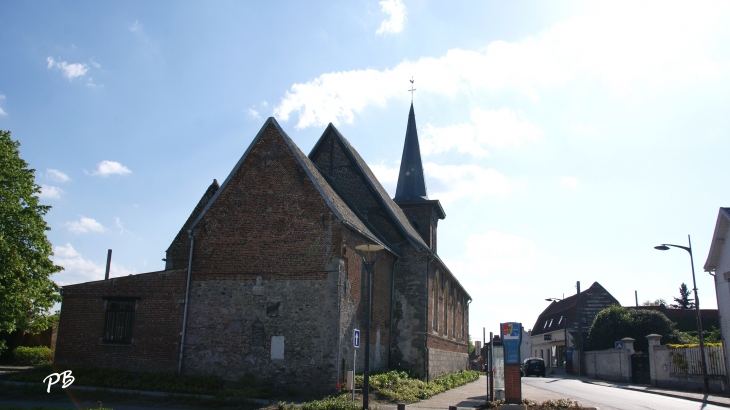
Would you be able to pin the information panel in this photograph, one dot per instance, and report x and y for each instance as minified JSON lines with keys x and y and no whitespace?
{"x":511,"y":334}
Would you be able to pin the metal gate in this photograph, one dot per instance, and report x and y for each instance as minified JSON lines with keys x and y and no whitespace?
{"x":640,"y":369}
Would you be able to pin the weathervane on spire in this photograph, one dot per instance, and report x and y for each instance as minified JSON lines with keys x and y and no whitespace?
{"x":412,"y":90}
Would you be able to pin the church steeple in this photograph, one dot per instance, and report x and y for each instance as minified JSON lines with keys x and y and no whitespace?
{"x":411,"y":182}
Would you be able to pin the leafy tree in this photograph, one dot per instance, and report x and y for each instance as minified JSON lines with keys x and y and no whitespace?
{"x":26,"y":291}
{"x":658,"y":302}
{"x":471,"y":345}
{"x":683,"y":301}
{"x":616,"y":322}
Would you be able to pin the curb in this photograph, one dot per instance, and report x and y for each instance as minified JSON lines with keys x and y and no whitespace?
{"x":659,"y":393}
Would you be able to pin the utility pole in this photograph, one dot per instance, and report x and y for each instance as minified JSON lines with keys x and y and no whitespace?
{"x":581,"y":371}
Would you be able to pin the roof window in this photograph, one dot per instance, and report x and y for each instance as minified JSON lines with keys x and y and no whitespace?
{"x":560,"y":320}
{"x":545,"y":325}
{"x":551,"y":323}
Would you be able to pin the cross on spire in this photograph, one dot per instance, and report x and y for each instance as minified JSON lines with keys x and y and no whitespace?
{"x":412,"y":89}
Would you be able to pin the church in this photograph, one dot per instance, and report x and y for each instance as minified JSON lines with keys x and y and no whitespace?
{"x":263,"y":278}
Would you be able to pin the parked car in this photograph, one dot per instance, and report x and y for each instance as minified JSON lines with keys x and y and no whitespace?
{"x":533,"y":365}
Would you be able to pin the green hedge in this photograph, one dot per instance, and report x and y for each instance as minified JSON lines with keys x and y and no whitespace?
{"x":33,"y":355}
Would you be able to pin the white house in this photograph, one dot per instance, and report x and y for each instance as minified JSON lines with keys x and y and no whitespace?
{"x":718,"y":264}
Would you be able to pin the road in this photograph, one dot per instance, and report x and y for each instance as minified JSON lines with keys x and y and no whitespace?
{"x":602,"y":397}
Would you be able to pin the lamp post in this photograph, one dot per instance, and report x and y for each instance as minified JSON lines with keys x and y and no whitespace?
{"x":369,"y":255}
{"x":565,"y":326}
{"x":664,"y":247}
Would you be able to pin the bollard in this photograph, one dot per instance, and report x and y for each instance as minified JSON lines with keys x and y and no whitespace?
{"x":401,"y":406}
{"x":452,"y":407}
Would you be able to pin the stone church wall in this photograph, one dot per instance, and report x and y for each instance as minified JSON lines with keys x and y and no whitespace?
{"x":156,"y":327}
{"x":278,"y":329}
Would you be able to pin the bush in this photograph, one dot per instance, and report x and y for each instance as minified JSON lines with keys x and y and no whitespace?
{"x":616,"y":322}
{"x":399,"y":387}
{"x":33,"y":355}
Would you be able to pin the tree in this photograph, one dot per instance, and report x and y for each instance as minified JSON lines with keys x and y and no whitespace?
{"x":683,"y":301}
{"x":616,"y":322}
{"x":658,"y":302}
{"x":26,"y":291}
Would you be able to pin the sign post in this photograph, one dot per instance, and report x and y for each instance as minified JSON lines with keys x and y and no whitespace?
{"x":355,"y":344}
{"x":511,"y":333}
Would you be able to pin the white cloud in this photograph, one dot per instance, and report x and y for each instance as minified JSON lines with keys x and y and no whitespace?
{"x":396,"y":12}
{"x":626,"y":46}
{"x":135,"y":27}
{"x":570,"y":182}
{"x":585,"y":130}
{"x":106,"y":168}
{"x":253,"y":114}
{"x":78,"y":270}
{"x":488,"y":128}
{"x":51,"y":192}
{"x":2,"y":100}
{"x":69,"y":71}
{"x":56,"y":175}
{"x":2,"y":112}
{"x":449,"y":183}
{"x":84,"y":225}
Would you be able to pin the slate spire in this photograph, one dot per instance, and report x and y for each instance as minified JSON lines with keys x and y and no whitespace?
{"x":411,"y":182}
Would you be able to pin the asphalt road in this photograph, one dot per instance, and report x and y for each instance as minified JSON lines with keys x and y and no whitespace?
{"x":602,"y":397}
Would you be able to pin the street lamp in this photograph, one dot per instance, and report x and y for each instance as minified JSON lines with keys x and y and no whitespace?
{"x":369,"y":255}
{"x":565,"y":327}
{"x":664,"y":247}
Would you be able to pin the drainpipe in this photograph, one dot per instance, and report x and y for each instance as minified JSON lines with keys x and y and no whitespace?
{"x":187,"y":296}
{"x":392,"y":303}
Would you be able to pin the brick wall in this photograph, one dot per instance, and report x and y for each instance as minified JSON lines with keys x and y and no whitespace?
{"x":443,"y":362}
{"x":156,"y":329}
{"x":512,"y":384}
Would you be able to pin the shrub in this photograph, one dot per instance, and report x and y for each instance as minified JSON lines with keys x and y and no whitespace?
{"x":616,"y":322}
{"x":397,"y":386}
{"x":331,"y":403}
{"x":33,"y":355}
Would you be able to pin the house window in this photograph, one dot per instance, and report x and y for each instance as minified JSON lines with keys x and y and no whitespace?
{"x":551,"y":323}
{"x":119,"y":320}
{"x":545,"y":325}
{"x":560,"y":320}
{"x":584,"y":319}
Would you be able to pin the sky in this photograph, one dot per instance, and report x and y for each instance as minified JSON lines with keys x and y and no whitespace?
{"x":564,"y":139}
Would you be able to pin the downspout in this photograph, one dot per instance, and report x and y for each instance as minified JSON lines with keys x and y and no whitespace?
{"x":428,"y":268}
{"x":339,"y":323}
{"x":392,"y":303}
{"x":187,"y":295}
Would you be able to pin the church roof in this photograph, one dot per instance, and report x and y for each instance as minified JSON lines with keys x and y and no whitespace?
{"x":333,"y":200}
{"x":411,"y":182}
{"x":183,"y":234}
{"x":397,"y":215}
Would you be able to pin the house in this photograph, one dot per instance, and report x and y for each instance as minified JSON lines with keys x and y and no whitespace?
{"x":685,"y":320}
{"x":548,"y":335}
{"x":718,"y":265}
{"x":264,"y":277}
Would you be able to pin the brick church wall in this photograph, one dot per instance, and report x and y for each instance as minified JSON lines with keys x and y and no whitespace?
{"x":266,"y":268}
{"x":156,"y":329}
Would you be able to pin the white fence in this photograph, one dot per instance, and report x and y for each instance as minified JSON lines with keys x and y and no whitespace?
{"x":687,"y":360}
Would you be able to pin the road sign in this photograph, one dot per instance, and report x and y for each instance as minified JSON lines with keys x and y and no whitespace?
{"x":356,"y":338}
{"x":619,"y":345}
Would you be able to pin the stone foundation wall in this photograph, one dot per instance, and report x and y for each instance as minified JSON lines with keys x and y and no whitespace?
{"x":443,"y":362}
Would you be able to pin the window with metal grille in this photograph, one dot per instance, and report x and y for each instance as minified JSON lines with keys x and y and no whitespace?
{"x":119,"y":320}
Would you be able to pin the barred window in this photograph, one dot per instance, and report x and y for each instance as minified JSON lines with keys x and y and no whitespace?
{"x":119,"y":320}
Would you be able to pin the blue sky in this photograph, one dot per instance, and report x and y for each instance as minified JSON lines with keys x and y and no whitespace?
{"x":564,"y":139}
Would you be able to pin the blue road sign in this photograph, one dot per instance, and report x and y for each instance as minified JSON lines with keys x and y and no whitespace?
{"x":356,"y":338}
{"x":619,"y":345}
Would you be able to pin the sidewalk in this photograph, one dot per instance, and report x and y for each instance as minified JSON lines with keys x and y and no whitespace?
{"x":715,"y":399}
